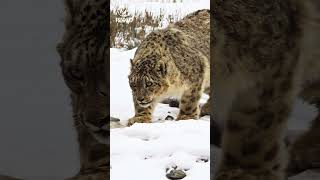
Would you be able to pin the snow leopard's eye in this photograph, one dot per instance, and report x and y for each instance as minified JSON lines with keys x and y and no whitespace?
{"x":132,"y":85}
{"x":148,"y":84}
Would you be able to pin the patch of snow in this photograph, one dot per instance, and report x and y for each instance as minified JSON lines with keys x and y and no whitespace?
{"x":121,"y":104}
{"x":145,"y":151}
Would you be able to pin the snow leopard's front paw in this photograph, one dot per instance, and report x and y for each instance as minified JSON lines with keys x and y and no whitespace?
{"x":139,"y":119}
{"x":187,"y":116}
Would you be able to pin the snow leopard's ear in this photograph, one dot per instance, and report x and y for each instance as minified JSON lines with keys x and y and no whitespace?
{"x":161,"y":67}
{"x":71,"y":9}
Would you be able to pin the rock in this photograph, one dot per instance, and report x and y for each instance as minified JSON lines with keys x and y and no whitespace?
{"x":203,"y":159}
{"x":176,"y":174}
{"x":114,"y":119}
{"x":169,"y":118}
{"x":115,"y":123}
{"x":174,"y":103}
{"x":166,"y":101}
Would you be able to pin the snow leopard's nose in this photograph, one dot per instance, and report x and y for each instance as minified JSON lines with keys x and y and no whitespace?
{"x":144,"y":101}
{"x":140,"y":99}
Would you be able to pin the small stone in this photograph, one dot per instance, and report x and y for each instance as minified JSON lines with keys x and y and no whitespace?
{"x":115,"y":123}
{"x":147,"y":157}
{"x":166,"y":101}
{"x":176,"y":174}
{"x":174,"y":103}
{"x":203,"y":159}
{"x":169,"y":118}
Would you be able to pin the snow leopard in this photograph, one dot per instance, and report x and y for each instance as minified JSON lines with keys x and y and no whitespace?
{"x":172,"y":62}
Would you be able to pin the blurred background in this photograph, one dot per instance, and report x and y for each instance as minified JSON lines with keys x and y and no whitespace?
{"x":37,"y":140}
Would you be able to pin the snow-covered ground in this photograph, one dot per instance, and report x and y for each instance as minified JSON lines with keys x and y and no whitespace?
{"x":146,"y":151}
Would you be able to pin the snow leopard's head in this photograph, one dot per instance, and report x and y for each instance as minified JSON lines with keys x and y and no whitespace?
{"x":148,"y":79}
{"x":84,"y":55}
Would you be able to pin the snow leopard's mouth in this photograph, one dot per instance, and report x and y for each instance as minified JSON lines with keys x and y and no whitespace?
{"x":145,"y":104}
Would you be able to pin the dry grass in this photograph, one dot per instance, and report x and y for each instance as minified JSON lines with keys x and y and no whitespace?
{"x":128,"y":30}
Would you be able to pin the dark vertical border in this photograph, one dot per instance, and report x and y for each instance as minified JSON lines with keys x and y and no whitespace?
{"x":215,"y":133}
{"x":107,"y":64}
{"x":211,"y":94}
